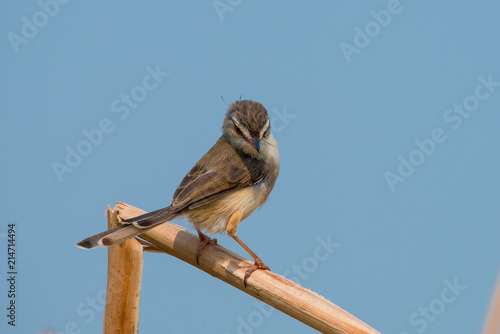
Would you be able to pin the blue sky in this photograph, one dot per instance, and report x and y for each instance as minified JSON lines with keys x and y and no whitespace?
{"x":386,"y":113}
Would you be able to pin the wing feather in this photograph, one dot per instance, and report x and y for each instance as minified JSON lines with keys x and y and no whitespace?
{"x":220,"y":171}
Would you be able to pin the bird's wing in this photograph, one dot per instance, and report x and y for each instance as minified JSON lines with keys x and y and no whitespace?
{"x":220,"y":171}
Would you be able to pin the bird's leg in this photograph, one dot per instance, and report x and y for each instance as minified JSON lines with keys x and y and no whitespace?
{"x":204,"y":240}
{"x":232,"y":226}
{"x":258,"y":262}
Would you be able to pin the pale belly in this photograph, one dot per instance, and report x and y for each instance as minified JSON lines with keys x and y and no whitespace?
{"x":213,"y":217}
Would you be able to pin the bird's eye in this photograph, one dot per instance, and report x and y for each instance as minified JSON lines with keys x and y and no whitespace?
{"x":238,"y":131}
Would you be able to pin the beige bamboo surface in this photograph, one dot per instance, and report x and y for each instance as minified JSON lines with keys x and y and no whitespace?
{"x":492,"y":324}
{"x":121,"y":312}
{"x":125,"y":261}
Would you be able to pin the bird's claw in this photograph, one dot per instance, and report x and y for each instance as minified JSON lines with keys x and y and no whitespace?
{"x":257,"y":265}
{"x":204,"y":240}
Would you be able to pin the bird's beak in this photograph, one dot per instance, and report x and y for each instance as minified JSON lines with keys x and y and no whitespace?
{"x":256,"y":144}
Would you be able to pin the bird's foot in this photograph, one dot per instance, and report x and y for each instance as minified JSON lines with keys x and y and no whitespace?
{"x":257,"y":265}
{"x":204,"y":240}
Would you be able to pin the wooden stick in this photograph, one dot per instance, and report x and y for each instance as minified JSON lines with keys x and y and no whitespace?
{"x":121,"y":313}
{"x":492,"y":324}
{"x":271,"y":288}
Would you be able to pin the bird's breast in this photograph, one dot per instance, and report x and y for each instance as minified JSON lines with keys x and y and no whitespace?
{"x":214,"y":216}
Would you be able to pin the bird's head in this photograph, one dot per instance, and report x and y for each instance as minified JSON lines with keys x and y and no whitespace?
{"x":246,"y":125}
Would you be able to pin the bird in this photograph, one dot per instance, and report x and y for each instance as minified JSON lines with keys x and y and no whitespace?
{"x":229,"y":182}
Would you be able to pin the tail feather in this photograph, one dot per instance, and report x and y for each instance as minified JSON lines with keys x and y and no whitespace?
{"x":129,"y":229}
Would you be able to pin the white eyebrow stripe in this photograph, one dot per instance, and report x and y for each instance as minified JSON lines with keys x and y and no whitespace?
{"x":241,"y":127}
{"x":264,"y":129}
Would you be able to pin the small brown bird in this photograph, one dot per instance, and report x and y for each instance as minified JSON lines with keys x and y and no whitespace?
{"x":226,"y":185}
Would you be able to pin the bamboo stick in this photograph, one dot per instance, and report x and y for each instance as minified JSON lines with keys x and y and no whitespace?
{"x":492,"y":323}
{"x":121,"y":312}
{"x":271,"y":288}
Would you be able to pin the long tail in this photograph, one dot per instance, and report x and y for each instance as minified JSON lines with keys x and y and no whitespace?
{"x":129,"y":229}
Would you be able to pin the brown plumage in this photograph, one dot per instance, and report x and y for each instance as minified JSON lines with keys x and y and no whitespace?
{"x":224,"y":187}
